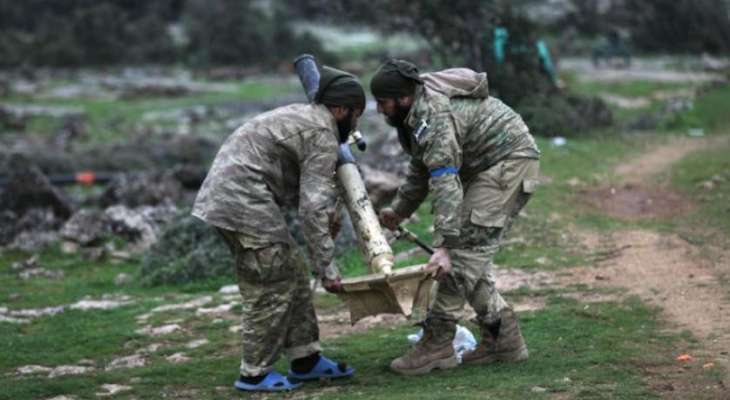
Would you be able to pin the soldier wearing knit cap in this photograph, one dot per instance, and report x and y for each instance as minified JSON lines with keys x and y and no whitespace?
{"x":476,"y":158}
{"x":282,"y":159}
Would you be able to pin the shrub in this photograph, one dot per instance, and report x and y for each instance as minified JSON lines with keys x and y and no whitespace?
{"x":188,"y":250}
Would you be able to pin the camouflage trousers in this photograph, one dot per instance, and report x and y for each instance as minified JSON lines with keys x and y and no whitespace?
{"x":277,"y":312}
{"x":492,"y":200}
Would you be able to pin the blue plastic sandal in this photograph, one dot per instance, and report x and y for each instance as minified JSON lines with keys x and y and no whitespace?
{"x":324,"y":369}
{"x":274,"y":382}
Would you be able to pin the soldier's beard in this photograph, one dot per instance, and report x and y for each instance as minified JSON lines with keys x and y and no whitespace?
{"x":344,"y":127}
{"x":398,"y":119}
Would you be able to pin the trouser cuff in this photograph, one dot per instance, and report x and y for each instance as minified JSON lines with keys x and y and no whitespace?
{"x":254,"y":370}
{"x":293,"y":353}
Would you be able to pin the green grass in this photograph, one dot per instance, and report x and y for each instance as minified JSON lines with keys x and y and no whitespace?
{"x":578,"y":350}
{"x":581,"y":351}
{"x":710,"y":112}
{"x":697,"y":170}
{"x":110,"y":118}
{"x":625,"y":89}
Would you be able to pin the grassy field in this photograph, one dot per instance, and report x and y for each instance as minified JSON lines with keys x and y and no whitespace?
{"x":110,"y":119}
{"x":579,"y":350}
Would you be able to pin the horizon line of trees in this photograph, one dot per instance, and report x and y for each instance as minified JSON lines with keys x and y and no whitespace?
{"x":110,"y":32}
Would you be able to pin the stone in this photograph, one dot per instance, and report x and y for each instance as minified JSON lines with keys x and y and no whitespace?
{"x":160,"y":330}
{"x":142,"y":225}
{"x":123,"y":279}
{"x":228,"y":289}
{"x":85,"y":227}
{"x":221,"y":309}
{"x":40,"y":272}
{"x":133,"y":361}
{"x":110,"y":389}
{"x":197,"y":343}
{"x":33,"y":369}
{"x":104,"y":304}
{"x":27,"y":188}
{"x":70,"y":370}
{"x":134,"y":190}
{"x":195,"y":303}
{"x":177,"y":358}
{"x":381,"y":185}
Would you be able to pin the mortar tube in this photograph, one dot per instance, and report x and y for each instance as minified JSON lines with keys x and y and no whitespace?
{"x":370,"y":236}
{"x":306,"y":68}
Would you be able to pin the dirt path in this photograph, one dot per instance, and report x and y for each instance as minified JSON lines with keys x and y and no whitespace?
{"x":664,"y":269}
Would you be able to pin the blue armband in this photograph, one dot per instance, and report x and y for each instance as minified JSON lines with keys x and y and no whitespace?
{"x":444,"y":171}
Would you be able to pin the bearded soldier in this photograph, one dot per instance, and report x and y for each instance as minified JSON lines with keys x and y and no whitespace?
{"x":476,"y":158}
{"x":282,"y":158}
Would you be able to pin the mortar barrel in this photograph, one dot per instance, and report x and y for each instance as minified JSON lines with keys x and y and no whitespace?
{"x":308,"y":73}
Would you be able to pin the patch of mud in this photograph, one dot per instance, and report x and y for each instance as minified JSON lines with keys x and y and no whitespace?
{"x":338,"y":324}
{"x":658,"y":160}
{"x":668,"y":272}
{"x":512,"y":279}
{"x":635,"y":197}
{"x":634,"y":202}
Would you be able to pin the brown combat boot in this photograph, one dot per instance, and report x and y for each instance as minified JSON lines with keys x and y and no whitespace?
{"x":425,"y":356}
{"x":501,"y":341}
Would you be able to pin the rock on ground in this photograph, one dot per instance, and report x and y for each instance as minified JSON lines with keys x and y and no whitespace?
{"x":86,"y":227}
{"x":110,"y":389}
{"x":142,"y":224}
{"x":133,"y":361}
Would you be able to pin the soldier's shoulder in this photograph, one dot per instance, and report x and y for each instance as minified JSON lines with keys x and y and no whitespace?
{"x":295,"y":118}
{"x":429,"y":103}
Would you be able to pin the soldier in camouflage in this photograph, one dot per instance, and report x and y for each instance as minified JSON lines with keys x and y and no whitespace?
{"x":280,"y":159}
{"x":476,"y":158}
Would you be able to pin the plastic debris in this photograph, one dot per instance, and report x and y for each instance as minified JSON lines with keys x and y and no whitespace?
{"x":558,"y":141}
{"x":696,"y":132}
{"x":463,"y":340}
{"x":684,"y":357}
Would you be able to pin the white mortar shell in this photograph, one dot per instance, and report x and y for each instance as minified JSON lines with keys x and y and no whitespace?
{"x":367,"y":227}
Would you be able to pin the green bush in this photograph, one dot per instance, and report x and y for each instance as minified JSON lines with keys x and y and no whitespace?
{"x":188,"y":251}
{"x":564,"y":115}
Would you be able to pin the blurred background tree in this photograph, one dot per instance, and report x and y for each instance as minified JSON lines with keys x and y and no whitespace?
{"x":122,"y":32}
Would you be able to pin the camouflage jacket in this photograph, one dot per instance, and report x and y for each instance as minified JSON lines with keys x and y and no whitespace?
{"x":453,"y":132}
{"x":282,"y":158}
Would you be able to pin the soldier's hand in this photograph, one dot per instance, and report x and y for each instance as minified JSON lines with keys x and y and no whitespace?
{"x":332,"y":285}
{"x":389,"y":218}
{"x":440,"y":263}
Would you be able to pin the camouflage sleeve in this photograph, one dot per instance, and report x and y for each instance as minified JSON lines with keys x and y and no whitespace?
{"x":317,"y":197}
{"x":442,"y":157}
{"x":413,"y":191}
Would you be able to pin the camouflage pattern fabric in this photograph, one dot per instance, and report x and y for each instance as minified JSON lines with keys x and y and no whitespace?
{"x":492,"y":200}
{"x":451,"y":140}
{"x":277,"y":313}
{"x":284,"y":158}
